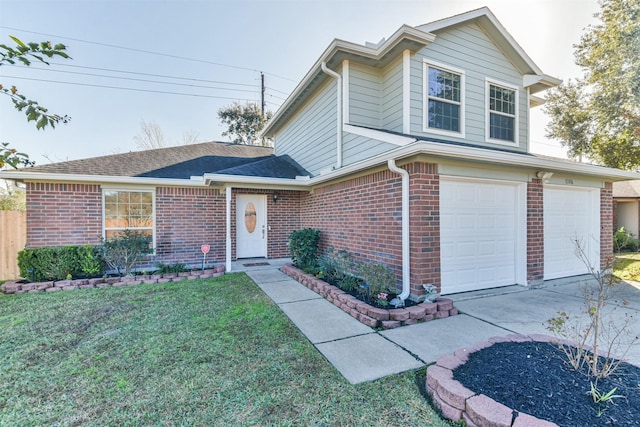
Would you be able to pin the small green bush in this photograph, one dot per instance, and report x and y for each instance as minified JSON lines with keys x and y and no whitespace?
{"x":379,"y":278}
{"x":60,"y":262}
{"x":170,"y":268}
{"x":124,"y":251}
{"x":303,"y":245}
{"x":337,"y":268}
{"x":621,"y":239}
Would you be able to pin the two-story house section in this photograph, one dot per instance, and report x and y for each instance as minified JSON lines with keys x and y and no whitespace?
{"x":448,"y":102}
{"x":412,"y":152}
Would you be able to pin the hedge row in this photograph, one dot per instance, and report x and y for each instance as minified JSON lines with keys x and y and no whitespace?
{"x":58,"y":263}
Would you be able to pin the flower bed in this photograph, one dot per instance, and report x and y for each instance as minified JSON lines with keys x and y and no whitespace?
{"x":20,"y":286}
{"x":367,"y":314}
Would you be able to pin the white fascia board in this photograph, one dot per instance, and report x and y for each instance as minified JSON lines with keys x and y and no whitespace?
{"x":244,"y":181}
{"x":100,"y":179}
{"x":538,"y":83}
{"x":337,"y":45}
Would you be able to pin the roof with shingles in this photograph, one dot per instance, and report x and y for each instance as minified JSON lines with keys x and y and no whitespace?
{"x":171,"y":162}
{"x":626,"y":189}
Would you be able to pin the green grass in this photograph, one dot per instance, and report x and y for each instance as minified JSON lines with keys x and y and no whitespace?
{"x":627,"y":266}
{"x":206,"y":352}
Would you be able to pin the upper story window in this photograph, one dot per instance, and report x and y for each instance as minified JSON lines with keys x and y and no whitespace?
{"x":443,"y":99}
{"x":128,"y":209}
{"x":502,"y":113}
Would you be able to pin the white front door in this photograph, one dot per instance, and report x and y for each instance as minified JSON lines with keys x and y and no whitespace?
{"x":251,"y":226}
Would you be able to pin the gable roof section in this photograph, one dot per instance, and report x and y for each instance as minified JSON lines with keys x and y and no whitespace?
{"x":172,"y":162}
{"x":534,"y":78}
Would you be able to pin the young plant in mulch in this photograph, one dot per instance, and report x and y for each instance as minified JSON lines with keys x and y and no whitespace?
{"x":380,"y":282}
{"x":600,"y":342}
{"x":337,"y":268}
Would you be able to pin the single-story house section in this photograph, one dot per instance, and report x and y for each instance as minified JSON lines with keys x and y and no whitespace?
{"x":412,"y":152}
{"x":626,"y":199}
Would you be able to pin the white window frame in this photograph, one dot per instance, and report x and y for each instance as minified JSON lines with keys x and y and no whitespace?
{"x":426,"y":63}
{"x":516,"y":116}
{"x":151,"y":190}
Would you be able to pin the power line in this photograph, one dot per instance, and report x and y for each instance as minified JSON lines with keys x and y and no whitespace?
{"x":133,"y":79}
{"x":147,"y":52}
{"x":130,"y":89}
{"x":150,"y":75}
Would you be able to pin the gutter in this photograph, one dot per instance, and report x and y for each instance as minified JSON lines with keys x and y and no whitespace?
{"x":406,"y":255}
{"x":338,"y":78}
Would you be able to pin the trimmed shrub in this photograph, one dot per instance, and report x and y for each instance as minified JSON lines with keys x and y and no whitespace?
{"x":60,"y":262}
{"x":303,"y":245}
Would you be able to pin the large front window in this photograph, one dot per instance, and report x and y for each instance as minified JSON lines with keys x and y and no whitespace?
{"x":128,"y":210}
{"x":502,"y":113}
{"x":444,"y":99}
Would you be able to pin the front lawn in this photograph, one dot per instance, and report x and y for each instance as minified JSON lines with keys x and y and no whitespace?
{"x":205,"y":352}
{"x":627,"y":266}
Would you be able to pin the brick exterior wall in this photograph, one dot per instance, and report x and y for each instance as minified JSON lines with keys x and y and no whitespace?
{"x":361,"y":215}
{"x":283,"y":218}
{"x":424,"y":218}
{"x":63,"y":214}
{"x":535,"y":232}
{"x":186,"y":218}
{"x":606,"y":224}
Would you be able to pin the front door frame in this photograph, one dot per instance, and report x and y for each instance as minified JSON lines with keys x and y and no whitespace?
{"x":259,"y":243}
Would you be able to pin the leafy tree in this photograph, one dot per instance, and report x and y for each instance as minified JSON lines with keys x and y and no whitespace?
{"x":25,"y":54}
{"x":598,"y":116}
{"x":12,"y":198}
{"x":244,"y":123}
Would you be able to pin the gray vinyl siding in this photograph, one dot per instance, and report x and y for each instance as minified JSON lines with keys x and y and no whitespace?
{"x":357,"y":148}
{"x":468,"y":48}
{"x":364,"y":96}
{"x":391,"y":110}
{"x":309,"y":136}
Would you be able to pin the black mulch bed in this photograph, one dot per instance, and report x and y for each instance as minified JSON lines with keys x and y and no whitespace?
{"x":533,"y":378}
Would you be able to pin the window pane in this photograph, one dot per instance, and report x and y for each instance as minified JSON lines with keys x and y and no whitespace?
{"x":128,"y":209}
{"x":502,"y":100}
{"x":443,"y":115}
{"x":443,"y":84}
{"x":502,"y":127}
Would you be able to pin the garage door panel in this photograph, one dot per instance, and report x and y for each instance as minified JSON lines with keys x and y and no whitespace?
{"x":570,"y":214}
{"x":480,"y":251}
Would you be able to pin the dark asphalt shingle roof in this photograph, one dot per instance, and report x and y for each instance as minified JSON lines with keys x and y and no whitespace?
{"x":172,"y":162}
{"x":270,"y":167}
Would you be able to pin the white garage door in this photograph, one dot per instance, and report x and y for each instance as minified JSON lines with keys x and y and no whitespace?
{"x":570,"y":214}
{"x":479,"y":234}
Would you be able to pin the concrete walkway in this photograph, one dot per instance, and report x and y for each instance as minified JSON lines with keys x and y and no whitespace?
{"x":362,"y":354}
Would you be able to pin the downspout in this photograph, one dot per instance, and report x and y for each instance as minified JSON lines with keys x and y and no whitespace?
{"x":406,"y":260}
{"x":228,"y":243}
{"x":338,"y":78}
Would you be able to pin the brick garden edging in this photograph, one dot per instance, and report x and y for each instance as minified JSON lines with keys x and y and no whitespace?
{"x":18,"y":287}
{"x":456,"y":402}
{"x":367,"y":314}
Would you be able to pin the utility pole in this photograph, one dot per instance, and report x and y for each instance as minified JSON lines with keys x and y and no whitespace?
{"x":262,"y":87}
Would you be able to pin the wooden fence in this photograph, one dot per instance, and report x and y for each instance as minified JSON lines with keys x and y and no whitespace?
{"x":13,"y":237}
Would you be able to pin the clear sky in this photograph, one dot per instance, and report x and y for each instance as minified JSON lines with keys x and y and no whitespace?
{"x":158,"y":46}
